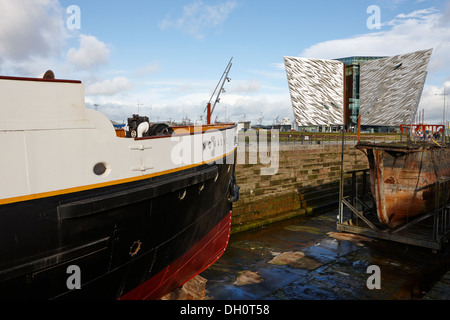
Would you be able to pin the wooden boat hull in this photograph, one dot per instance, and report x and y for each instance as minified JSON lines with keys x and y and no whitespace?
{"x":397,"y":171}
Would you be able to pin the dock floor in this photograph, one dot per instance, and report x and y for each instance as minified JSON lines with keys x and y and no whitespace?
{"x":309,"y":259}
{"x":441,"y":290}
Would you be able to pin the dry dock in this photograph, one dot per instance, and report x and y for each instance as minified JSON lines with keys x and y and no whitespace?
{"x":307,"y":181}
{"x":305,"y":258}
{"x":285,"y":244}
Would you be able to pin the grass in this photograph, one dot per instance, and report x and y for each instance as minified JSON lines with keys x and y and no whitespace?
{"x":337,"y":136}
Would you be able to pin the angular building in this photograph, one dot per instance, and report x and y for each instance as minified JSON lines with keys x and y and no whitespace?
{"x":317,"y":90}
{"x":391,"y":88}
{"x":351,"y":82}
{"x":385,"y":91}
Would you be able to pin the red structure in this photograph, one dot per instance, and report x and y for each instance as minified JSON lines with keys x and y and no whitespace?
{"x":431,"y":128}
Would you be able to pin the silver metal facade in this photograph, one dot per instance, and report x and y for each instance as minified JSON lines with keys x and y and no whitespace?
{"x":390,"y":88}
{"x":317,"y":90}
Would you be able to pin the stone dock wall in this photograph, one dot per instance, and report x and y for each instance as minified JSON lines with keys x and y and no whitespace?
{"x":307,"y":182}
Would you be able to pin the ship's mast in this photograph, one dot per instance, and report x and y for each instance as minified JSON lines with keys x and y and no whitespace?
{"x":221,"y":83}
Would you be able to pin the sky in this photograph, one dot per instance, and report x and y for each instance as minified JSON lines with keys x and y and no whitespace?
{"x":163,"y":59}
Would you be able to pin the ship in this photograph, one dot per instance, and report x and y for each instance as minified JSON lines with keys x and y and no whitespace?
{"x":90,"y":211}
{"x":403,"y":177}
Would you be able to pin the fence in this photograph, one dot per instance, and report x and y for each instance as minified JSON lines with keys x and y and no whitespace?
{"x":329,"y":139}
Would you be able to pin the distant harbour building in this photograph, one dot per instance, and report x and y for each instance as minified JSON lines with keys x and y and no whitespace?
{"x":327,"y":94}
{"x":243,"y":125}
{"x":283,"y":126}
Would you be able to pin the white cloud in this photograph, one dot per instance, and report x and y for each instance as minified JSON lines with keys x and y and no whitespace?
{"x":146,"y":70}
{"x":32,"y":36}
{"x":198,"y":16}
{"x":173,"y":100}
{"x":108,"y":87}
{"x":235,"y":106}
{"x":91,"y":54}
{"x":410,"y":32}
{"x":432,"y":103}
{"x":30,"y":29}
{"x":418,"y":14}
{"x":250,"y":86}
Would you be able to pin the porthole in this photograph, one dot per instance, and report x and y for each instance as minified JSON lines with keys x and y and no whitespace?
{"x":182,"y":195}
{"x":134,"y":249}
{"x":100,"y":168}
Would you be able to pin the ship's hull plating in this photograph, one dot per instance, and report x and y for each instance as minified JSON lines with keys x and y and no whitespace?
{"x":138,"y":240}
{"x":396,"y":174}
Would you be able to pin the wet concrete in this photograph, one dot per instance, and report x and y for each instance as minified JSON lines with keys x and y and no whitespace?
{"x":306,"y":258}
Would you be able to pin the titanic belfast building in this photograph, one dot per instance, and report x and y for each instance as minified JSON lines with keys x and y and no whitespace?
{"x":384,"y":91}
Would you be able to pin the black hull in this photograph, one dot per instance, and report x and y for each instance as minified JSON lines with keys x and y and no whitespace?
{"x":119,"y":236}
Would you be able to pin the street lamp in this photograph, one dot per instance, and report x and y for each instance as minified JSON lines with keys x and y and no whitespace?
{"x":443,"y":117}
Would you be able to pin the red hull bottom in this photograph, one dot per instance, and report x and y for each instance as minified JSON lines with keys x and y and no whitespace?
{"x":198,"y":258}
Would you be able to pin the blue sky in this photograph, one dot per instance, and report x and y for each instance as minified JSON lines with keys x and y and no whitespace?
{"x":169,"y":55}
